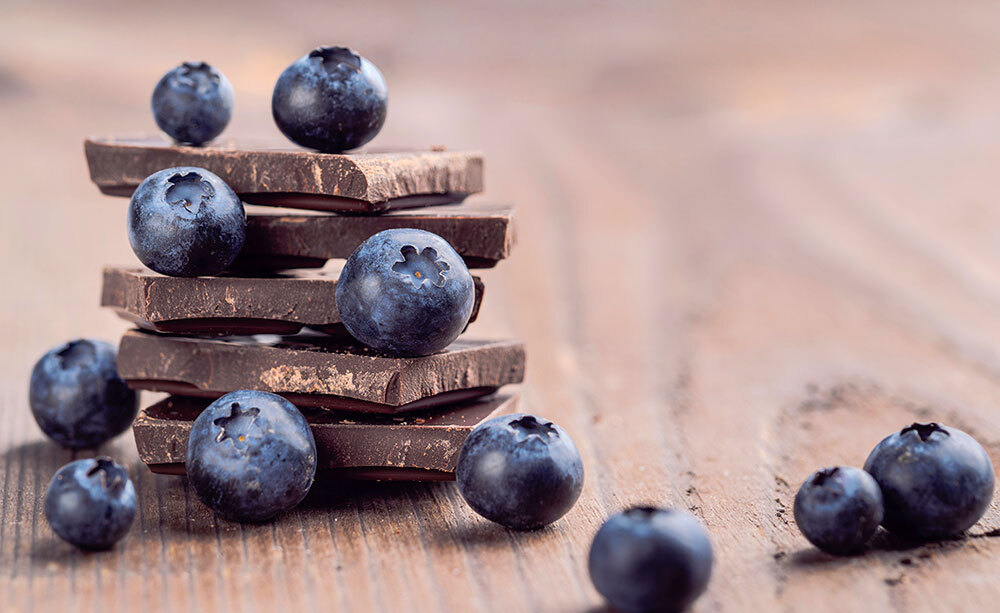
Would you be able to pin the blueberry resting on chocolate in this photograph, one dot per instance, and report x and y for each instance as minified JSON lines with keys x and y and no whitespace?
{"x":77,"y":397}
{"x":936,"y":481}
{"x":521,"y":471}
{"x":193,"y":103}
{"x":405,"y":292}
{"x":649,"y":559}
{"x":90,"y":503}
{"x":251,"y":455}
{"x":186,"y":222}
{"x":330,"y":99}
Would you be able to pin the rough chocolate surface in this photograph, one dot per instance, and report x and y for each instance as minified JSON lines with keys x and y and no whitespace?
{"x":365,"y":182}
{"x":481,"y":234}
{"x":227,"y":305}
{"x":315,"y":370}
{"x":421,"y":446}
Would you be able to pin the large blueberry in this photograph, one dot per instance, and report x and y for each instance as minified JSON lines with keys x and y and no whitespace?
{"x":76,"y":395}
{"x":839,"y":509}
{"x":186,"y":222}
{"x":649,"y":559}
{"x":936,"y":481}
{"x":90,"y":503}
{"x":521,"y":471}
{"x":193,"y":103}
{"x":251,"y":455}
{"x":330,"y":99}
{"x":405,"y":292}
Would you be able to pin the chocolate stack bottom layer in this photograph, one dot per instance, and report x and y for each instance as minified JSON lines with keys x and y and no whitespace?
{"x":414,"y":447}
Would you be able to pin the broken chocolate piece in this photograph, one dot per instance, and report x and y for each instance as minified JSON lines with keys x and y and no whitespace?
{"x":228,"y":305}
{"x":415,"y":446}
{"x":482,"y":235}
{"x":315,"y":370}
{"x":366,"y":182}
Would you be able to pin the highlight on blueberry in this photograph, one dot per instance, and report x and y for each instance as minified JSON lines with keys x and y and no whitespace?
{"x":251,"y":455}
{"x":193,"y":103}
{"x":521,"y":471}
{"x":838,"y":509}
{"x":91,"y":503}
{"x":405,"y":292}
{"x":76,"y":395}
{"x":650,"y":559}
{"x":330,"y":99}
{"x":936,"y":481}
{"x":186,"y":222}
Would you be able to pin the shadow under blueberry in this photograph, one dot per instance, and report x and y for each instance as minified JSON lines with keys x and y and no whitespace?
{"x":884,"y":545}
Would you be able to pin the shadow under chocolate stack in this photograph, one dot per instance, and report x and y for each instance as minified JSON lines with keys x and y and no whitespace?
{"x":271,"y":324}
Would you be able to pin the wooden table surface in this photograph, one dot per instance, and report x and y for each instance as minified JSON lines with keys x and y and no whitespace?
{"x":753,"y":240}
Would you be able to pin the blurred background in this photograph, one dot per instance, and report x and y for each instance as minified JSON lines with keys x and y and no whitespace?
{"x":729,"y":215}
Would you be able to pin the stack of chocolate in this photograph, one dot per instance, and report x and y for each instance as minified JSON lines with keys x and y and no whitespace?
{"x":271,"y":323}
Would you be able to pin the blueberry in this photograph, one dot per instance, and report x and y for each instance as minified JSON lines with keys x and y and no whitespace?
{"x":838,"y":509}
{"x":77,"y":397}
{"x":90,"y":503}
{"x":649,"y":559}
{"x":251,"y":455}
{"x":405,"y":292}
{"x":936,"y":481}
{"x":193,"y":103}
{"x":186,"y":222}
{"x":330,"y":99}
{"x":521,"y":471}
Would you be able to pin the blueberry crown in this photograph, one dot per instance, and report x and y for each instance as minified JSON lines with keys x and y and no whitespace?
{"x":529,"y":426}
{"x":422,"y":266}
{"x":197,"y":75}
{"x":238,"y":425}
{"x":335,"y":59}
{"x":189,"y":190}
{"x":924,"y":431}
{"x":822,"y":476}
{"x":76,"y":353}
{"x":641,"y":513}
{"x":111,"y":475}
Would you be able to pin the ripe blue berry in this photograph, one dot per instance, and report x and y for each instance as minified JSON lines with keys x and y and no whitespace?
{"x":648,"y":559}
{"x":521,"y":471}
{"x":90,"y":503}
{"x":838,"y":509}
{"x":405,"y":292}
{"x":186,"y":222}
{"x":251,"y":455}
{"x":330,"y":99}
{"x":77,"y":397}
{"x":193,"y":103}
{"x":936,"y":481}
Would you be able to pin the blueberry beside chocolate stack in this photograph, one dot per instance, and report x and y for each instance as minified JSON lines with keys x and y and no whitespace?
{"x":350,"y":308}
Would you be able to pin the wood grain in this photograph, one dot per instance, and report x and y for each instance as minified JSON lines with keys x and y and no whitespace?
{"x":753,"y":240}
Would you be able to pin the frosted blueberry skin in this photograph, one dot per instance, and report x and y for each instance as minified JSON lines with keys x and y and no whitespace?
{"x":77,"y":397}
{"x":405,"y":292}
{"x":91,"y":503}
{"x":330,"y":99}
{"x":936,"y":481}
{"x":521,"y":471}
{"x":251,"y":455}
{"x":838,"y":509}
{"x":186,"y":222}
{"x":193,"y":103}
{"x":648,"y":559}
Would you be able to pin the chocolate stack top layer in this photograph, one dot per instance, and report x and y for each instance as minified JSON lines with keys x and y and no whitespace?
{"x":227,"y":305}
{"x":319,"y":371}
{"x":366,"y":182}
{"x":481,"y":234}
{"x":421,"y":446}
